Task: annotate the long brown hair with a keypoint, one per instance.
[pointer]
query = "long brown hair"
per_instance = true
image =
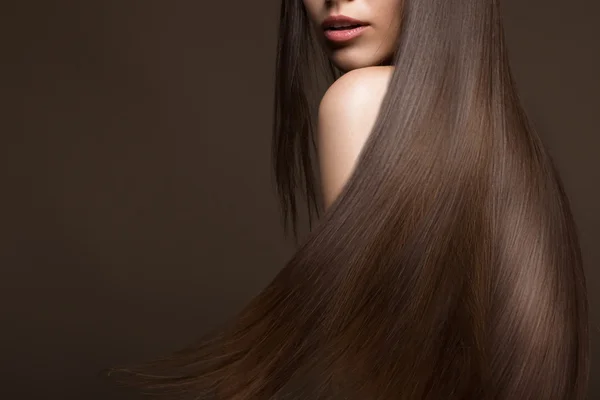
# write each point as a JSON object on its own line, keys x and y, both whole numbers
{"x": 449, "y": 266}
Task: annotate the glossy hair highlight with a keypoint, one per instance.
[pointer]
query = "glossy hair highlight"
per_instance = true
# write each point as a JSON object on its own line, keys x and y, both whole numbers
{"x": 449, "y": 266}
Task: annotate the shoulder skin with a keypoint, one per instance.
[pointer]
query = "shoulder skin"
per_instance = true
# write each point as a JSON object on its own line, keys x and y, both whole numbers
{"x": 347, "y": 113}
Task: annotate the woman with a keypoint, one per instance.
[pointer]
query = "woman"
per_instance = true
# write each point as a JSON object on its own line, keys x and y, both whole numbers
{"x": 446, "y": 264}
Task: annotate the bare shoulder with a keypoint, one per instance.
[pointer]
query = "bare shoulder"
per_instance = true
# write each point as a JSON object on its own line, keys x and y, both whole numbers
{"x": 357, "y": 88}
{"x": 347, "y": 113}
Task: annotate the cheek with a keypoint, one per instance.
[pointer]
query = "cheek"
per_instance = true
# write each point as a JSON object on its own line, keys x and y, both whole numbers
{"x": 389, "y": 15}
{"x": 311, "y": 9}
{"x": 389, "y": 25}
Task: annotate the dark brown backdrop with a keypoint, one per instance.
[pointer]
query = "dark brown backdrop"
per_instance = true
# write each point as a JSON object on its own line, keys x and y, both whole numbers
{"x": 137, "y": 206}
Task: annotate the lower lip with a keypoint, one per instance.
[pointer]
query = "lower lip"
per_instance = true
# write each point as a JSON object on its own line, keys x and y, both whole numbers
{"x": 343, "y": 35}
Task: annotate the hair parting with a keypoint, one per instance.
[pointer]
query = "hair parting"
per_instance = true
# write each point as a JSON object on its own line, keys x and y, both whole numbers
{"x": 449, "y": 266}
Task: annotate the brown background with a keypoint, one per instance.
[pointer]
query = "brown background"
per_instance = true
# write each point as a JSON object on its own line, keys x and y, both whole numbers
{"x": 137, "y": 207}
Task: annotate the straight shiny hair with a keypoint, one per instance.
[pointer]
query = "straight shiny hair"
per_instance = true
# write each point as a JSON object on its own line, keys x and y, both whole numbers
{"x": 448, "y": 267}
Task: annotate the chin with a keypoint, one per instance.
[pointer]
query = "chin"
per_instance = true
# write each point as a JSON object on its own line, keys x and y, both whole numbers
{"x": 349, "y": 59}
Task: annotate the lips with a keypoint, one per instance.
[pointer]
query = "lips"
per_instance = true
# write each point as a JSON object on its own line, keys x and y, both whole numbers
{"x": 341, "y": 22}
{"x": 341, "y": 29}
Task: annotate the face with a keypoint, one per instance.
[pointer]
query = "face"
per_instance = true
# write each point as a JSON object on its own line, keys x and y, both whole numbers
{"x": 356, "y": 33}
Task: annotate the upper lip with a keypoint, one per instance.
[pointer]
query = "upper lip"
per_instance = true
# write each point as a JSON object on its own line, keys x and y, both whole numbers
{"x": 340, "y": 20}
